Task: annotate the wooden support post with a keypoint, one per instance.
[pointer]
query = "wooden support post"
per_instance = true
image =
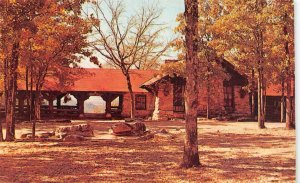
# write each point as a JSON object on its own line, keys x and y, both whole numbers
{"x": 21, "y": 104}
{"x": 51, "y": 104}
{"x": 81, "y": 97}
{"x": 108, "y": 98}
{"x": 58, "y": 102}
{"x": 80, "y": 104}
{"x": 121, "y": 97}
{"x": 50, "y": 97}
{"x": 108, "y": 109}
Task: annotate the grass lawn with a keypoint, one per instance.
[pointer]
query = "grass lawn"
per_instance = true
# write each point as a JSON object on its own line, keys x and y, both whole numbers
{"x": 229, "y": 152}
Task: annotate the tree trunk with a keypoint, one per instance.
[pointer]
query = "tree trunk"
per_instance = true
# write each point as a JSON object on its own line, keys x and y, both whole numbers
{"x": 37, "y": 109}
{"x": 289, "y": 124}
{"x": 282, "y": 101}
{"x": 14, "y": 103}
{"x": 31, "y": 96}
{"x": 132, "y": 111}
{"x": 252, "y": 95}
{"x": 1, "y": 133}
{"x": 293, "y": 109}
{"x": 261, "y": 115}
{"x": 208, "y": 100}
{"x": 265, "y": 98}
{"x": 191, "y": 154}
{"x": 260, "y": 54}
{"x": 5, "y": 96}
{"x": 27, "y": 92}
{"x": 37, "y": 105}
{"x": 288, "y": 110}
{"x": 11, "y": 90}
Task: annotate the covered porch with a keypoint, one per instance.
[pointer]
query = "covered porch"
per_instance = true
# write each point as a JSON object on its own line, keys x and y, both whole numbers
{"x": 53, "y": 104}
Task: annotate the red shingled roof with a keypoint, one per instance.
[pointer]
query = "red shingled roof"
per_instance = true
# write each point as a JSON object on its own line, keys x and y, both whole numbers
{"x": 102, "y": 80}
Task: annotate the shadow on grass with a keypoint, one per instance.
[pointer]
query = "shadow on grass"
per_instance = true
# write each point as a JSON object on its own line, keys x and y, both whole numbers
{"x": 147, "y": 161}
{"x": 233, "y": 140}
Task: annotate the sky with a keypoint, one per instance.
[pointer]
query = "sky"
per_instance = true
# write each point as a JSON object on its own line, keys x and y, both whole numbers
{"x": 170, "y": 10}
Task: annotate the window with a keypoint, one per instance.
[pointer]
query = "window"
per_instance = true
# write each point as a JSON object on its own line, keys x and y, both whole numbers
{"x": 178, "y": 99}
{"x": 228, "y": 98}
{"x": 140, "y": 102}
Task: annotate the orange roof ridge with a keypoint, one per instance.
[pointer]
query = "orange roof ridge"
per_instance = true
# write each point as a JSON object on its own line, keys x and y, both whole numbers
{"x": 100, "y": 80}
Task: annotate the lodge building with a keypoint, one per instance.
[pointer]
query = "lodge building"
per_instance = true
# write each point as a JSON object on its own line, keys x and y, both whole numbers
{"x": 156, "y": 97}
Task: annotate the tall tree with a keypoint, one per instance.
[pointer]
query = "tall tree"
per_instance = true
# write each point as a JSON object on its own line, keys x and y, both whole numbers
{"x": 190, "y": 154}
{"x": 15, "y": 17}
{"x": 46, "y": 36}
{"x": 59, "y": 43}
{"x": 240, "y": 34}
{"x": 127, "y": 41}
{"x": 209, "y": 11}
{"x": 283, "y": 48}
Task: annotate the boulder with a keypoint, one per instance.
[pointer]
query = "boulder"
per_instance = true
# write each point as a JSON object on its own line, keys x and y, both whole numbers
{"x": 45, "y": 135}
{"x": 61, "y": 135}
{"x": 139, "y": 128}
{"x": 84, "y": 130}
{"x": 87, "y": 133}
{"x": 122, "y": 129}
{"x": 26, "y": 135}
{"x": 73, "y": 138}
{"x": 126, "y": 129}
{"x": 157, "y": 136}
{"x": 62, "y": 129}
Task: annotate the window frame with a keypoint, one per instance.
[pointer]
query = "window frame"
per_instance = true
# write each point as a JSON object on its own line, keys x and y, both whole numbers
{"x": 138, "y": 102}
{"x": 178, "y": 87}
{"x": 229, "y": 104}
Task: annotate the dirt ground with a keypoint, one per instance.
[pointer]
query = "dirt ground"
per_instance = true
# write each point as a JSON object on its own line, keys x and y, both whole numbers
{"x": 229, "y": 152}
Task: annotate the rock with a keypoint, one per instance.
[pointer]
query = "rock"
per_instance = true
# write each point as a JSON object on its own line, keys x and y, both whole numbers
{"x": 139, "y": 128}
{"x": 61, "y": 135}
{"x": 86, "y": 127}
{"x": 26, "y": 135}
{"x": 87, "y": 133}
{"x": 126, "y": 129}
{"x": 162, "y": 136}
{"x": 73, "y": 138}
{"x": 122, "y": 129}
{"x": 163, "y": 131}
{"x": 129, "y": 120}
{"x": 75, "y": 128}
{"x": 157, "y": 136}
{"x": 45, "y": 135}
{"x": 84, "y": 130}
{"x": 147, "y": 136}
{"x": 62, "y": 129}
